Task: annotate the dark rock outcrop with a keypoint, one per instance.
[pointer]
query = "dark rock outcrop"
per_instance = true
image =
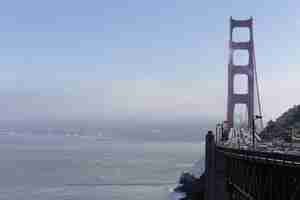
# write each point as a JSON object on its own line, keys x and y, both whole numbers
{"x": 191, "y": 186}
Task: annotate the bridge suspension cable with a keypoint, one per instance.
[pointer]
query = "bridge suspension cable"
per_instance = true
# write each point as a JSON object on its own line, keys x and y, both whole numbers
{"x": 257, "y": 91}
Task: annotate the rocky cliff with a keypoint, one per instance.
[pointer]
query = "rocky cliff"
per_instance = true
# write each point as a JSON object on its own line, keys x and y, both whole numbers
{"x": 281, "y": 126}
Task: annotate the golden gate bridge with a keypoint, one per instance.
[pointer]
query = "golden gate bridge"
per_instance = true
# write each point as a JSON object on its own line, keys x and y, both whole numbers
{"x": 238, "y": 165}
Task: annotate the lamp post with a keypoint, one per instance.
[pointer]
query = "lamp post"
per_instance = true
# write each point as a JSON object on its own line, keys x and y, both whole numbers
{"x": 226, "y": 131}
{"x": 255, "y": 117}
{"x": 222, "y": 129}
{"x": 218, "y": 130}
{"x": 217, "y": 133}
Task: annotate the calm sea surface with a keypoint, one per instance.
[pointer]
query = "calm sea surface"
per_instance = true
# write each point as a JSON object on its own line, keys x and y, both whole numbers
{"x": 90, "y": 168}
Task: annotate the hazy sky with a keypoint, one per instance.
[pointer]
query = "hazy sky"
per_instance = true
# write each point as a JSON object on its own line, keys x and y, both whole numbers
{"x": 136, "y": 59}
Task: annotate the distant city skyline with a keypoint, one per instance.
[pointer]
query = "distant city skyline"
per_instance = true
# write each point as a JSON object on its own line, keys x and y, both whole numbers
{"x": 151, "y": 60}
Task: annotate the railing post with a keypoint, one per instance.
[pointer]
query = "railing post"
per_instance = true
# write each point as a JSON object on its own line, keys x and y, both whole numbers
{"x": 210, "y": 167}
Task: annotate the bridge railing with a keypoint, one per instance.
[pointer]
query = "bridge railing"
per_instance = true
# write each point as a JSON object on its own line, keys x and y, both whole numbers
{"x": 258, "y": 175}
{"x": 262, "y": 156}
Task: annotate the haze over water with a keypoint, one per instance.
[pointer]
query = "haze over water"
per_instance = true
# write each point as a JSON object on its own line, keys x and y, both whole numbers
{"x": 135, "y": 60}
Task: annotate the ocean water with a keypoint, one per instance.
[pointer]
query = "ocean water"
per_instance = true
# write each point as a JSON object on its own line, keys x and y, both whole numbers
{"x": 90, "y": 168}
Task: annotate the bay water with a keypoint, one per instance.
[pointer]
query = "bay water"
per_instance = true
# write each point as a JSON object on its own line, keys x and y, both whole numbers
{"x": 62, "y": 167}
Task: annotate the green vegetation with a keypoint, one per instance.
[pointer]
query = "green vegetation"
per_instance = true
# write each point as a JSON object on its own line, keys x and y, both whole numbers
{"x": 281, "y": 126}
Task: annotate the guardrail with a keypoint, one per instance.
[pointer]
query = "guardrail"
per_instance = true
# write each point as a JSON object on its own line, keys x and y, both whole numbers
{"x": 280, "y": 158}
{"x": 259, "y": 175}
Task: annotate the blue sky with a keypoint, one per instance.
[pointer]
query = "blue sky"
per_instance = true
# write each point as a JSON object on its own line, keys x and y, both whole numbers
{"x": 123, "y": 59}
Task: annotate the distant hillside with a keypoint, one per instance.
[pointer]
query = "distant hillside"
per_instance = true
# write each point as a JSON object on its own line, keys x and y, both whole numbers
{"x": 280, "y": 127}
